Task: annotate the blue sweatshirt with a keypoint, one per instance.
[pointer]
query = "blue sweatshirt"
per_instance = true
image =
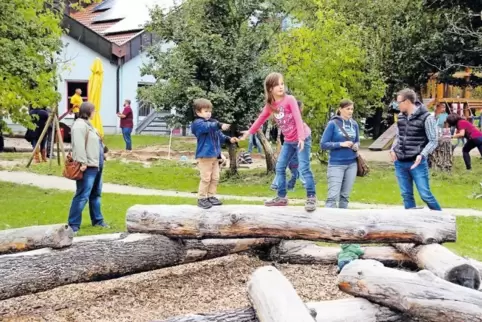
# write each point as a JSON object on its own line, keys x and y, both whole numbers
{"x": 209, "y": 138}
{"x": 333, "y": 137}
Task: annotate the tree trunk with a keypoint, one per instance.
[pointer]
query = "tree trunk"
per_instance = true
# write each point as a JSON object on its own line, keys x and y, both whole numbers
{"x": 443, "y": 263}
{"x": 355, "y": 309}
{"x": 233, "y": 159}
{"x": 101, "y": 257}
{"x": 442, "y": 158}
{"x": 268, "y": 152}
{"x": 306, "y": 252}
{"x": 274, "y": 299}
{"x": 342, "y": 225}
{"x": 422, "y": 295}
{"x": 34, "y": 237}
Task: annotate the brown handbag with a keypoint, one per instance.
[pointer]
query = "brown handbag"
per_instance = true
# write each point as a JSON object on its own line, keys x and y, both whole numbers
{"x": 71, "y": 167}
{"x": 362, "y": 166}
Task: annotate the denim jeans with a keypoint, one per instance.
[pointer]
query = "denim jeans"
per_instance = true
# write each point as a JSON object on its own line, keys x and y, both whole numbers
{"x": 288, "y": 150}
{"x": 340, "y": 183}
{"x": 88, "y": 189}
{"x": 254, "y": 141}
{"x": 469, "y": 146}
{"x": 295, "y": 174}
{"x": 406, "y": 177}
{"x": 126, "y": 132}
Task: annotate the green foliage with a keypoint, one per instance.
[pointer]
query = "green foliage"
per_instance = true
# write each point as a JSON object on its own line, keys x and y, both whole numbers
{"x": 218, "y": 45}
{"x": 324, "y": 61}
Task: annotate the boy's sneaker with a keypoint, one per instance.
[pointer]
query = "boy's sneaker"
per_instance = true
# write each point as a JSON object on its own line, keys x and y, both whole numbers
{"x": 215, "y": 201}
{"x": 204, "y": 203}
{"x": 310, "y": 204}
{"x": 276, "y": 202}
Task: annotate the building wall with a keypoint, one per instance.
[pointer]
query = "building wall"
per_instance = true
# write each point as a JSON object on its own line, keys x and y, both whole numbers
{"x": 79, "y": 60}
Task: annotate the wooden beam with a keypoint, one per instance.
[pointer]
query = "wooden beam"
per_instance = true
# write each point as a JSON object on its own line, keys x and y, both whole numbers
{"x": 307, "y": 252}
{"x": 342, "y": 225}
{"x": 421, "y": 295}
{"x": 443, "y": 263}
{"x": 274, "y": 299}
{"x": 34, "y": 237}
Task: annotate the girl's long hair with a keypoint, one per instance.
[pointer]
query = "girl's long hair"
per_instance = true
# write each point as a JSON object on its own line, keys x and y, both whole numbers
{"x": 270, "y": 82}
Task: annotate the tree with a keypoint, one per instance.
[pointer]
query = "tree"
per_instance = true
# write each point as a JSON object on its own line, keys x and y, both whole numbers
{"x": 324, "y": 62}
{"x": 30, "y": 34}
{"x": 216, "y": 53}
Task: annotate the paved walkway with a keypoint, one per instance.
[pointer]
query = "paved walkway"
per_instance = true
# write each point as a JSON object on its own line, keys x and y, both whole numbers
{"x": 60, "y": 183}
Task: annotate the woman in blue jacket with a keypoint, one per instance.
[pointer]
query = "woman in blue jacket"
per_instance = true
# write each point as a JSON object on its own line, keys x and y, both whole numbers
{"x": 342, "y": 139}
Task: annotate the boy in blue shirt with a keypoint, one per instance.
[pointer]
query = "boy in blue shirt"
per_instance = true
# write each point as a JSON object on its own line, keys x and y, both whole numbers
{"x": 208, "y": 151}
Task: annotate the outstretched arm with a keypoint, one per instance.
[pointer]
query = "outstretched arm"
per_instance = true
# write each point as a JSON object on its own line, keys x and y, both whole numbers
{"x": 326, "y": 142}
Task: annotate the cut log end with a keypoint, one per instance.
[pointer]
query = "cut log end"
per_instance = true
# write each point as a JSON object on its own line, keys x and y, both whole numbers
{"x": 464, "y": 275}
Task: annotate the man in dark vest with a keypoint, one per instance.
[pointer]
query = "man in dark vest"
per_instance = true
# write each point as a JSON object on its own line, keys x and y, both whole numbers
{"x": 416, "y": 138}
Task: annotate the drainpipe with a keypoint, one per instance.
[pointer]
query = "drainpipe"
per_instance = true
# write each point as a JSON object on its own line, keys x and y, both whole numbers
{"x": 118, "y": 85}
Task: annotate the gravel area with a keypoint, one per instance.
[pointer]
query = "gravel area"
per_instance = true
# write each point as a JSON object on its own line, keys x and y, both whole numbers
{"x": 202, "y": 287}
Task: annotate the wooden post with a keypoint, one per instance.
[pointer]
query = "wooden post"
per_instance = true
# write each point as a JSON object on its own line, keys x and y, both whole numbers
{"x": 421, "y": 295}
{"x": 52, "y": 141}
{"x": 274, "y": 299}
{"x": 268, "y": 151}
{"x": 61, "y": 140}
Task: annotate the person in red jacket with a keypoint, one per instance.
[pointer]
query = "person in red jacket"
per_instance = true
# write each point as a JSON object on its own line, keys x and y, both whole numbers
{"x": 466, "y": 130}
{"x": 127, "y": 123}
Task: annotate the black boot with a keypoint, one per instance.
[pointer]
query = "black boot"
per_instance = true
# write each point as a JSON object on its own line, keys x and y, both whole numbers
{"x": 215, "y": 201}
{"x": 204, "y": 203}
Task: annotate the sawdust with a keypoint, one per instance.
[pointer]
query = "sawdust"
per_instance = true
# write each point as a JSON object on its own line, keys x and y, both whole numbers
{"x": 202, "y": 287}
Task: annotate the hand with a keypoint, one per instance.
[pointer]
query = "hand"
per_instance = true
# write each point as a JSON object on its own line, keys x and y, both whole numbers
{"x": 393, "y": 156}
{"x": 83, "y": 167}
{"x": 301, "y": 145}
{"x": 225, "y": 127}
{"x": 234, "y": 140}
{"x": 346, "y": 144}
{"x": 244, "y": 137}
{"x": 417, "y": 162}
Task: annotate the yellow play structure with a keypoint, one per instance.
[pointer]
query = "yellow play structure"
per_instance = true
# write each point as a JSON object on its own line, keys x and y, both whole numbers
{"x": 436, "y": 92}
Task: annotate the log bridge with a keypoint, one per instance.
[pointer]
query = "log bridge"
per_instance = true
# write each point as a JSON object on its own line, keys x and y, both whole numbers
{"x": 39, "y": 258}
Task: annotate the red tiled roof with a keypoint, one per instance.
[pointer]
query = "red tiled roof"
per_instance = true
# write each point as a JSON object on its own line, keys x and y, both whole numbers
{"x": 86, "y": 17}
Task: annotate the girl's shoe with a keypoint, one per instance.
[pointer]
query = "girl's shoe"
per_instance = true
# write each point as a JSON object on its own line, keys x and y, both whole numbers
{"x": 310, "y": 204}
{"x": 276, "y": 202}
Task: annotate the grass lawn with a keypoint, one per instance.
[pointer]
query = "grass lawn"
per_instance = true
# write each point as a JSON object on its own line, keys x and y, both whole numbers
{"x": 42, "y": 207}
{"x": 116, "y": 142}
{"x": 452, "y": 190}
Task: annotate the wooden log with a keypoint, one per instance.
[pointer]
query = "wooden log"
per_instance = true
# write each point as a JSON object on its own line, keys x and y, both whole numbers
{"x": 274, "y": 299}
{"x": 442, "y": 158}
{"x": 93, "y": 258}
{"x": 343, "y": 225}
{"x": 354, "y": 309}
{"x": 307, "y": 252}
{"x": 421, "y": 295}
{"x": 34, "y": 237}
{"x": 443, "y": 263}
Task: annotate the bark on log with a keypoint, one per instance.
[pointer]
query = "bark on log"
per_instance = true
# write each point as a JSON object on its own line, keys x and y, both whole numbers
{"x": 34, "y": 237}
{"x": 93, "y": 258}
{"x": 343, "y": 225}
{"x": 274, "y": 299}
{"x": 443, "y": 263}
{"x": 422, "y": 295}
{"x": 355, "y": 309}
{"x": 268, "y": 152}
{"x": 306, "y": 252}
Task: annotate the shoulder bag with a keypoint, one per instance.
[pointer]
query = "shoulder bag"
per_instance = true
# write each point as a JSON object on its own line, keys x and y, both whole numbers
{"x": 362, "y": 166}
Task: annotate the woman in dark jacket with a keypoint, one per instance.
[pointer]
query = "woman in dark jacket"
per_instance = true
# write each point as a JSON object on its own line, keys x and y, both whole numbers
{"x": 39, "y": 119}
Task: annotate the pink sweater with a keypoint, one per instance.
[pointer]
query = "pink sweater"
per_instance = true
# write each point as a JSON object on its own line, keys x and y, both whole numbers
{"x": 288, "y": 119}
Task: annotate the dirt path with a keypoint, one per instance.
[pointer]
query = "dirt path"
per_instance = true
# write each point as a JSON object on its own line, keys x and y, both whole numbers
{"x": 208, "y": 286}
{"x": 60, "y": 183}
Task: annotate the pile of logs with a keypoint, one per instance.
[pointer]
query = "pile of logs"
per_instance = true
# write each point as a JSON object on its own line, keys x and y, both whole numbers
{"x": 446, "y": 288}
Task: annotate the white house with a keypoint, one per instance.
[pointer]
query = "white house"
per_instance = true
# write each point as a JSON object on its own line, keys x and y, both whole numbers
{"x": 112, "y": 30}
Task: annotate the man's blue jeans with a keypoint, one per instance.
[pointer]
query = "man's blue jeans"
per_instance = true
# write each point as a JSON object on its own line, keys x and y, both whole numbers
{"x": 89, "y": 189}
{"x": 406, "y": 177}
{"x": 126, "y": 132}
{"x": 288, "y": 150}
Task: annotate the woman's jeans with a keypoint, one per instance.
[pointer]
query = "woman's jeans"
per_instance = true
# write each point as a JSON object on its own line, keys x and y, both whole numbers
{"x": 469, "y": 146}
{"x": 288, "y": 150}
{"x": 89, "y": 189}
{"x": 254, "y": 141}
{"x": 126, "y": 133}
{"x": 295, "y": 174}
{"x": 340, "y": 183}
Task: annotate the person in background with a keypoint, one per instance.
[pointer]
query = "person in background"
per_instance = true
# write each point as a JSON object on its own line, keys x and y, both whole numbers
{"x": 416, "y": 138}
{"x": 127, "y": 124}
{"x": 88, "y": 150}
{"x": 2, "y": 143}
{"x": 208, "y": 151}
{"x": 39, "y": 118}
{"x": 440, "y": 115}
{"x": 76, "y": 100}
{"x": 254, "y": 142}
{"x": 341, "y": 137}
{"x": 466, "y": 130}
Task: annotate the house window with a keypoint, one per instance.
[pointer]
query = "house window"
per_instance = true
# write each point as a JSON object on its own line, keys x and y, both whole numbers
{"x": 71, "y": 87}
